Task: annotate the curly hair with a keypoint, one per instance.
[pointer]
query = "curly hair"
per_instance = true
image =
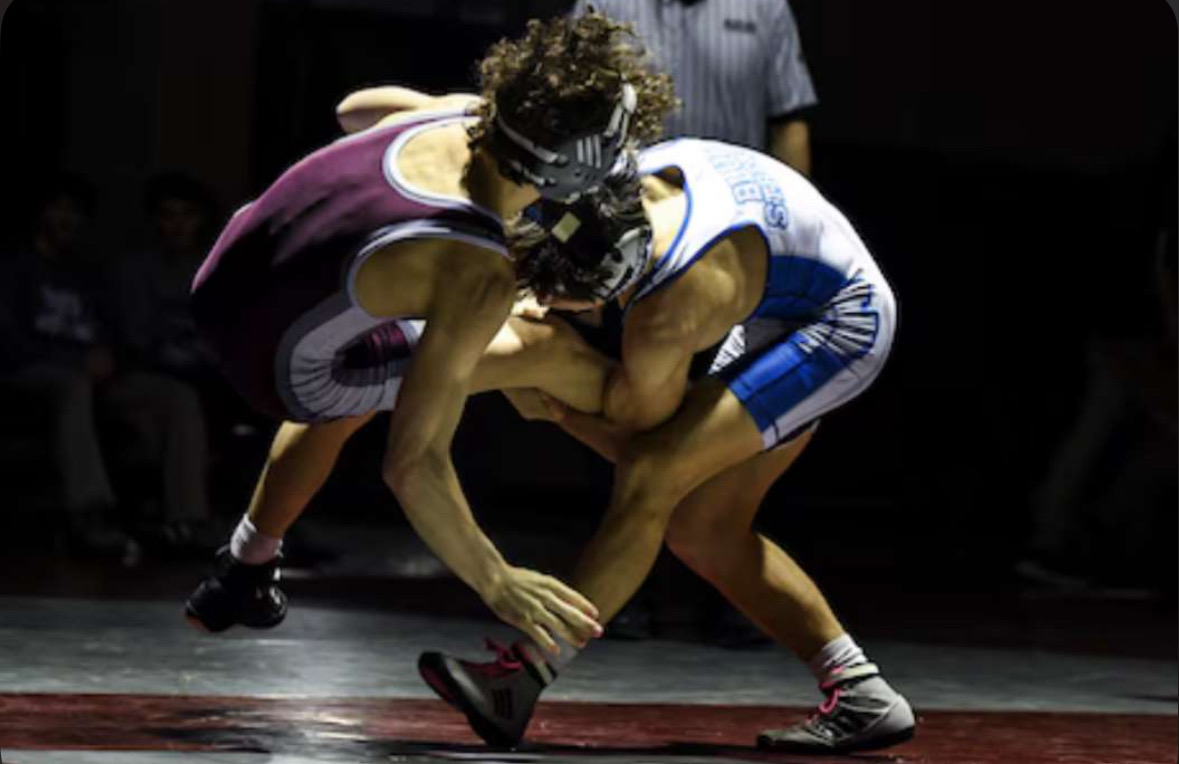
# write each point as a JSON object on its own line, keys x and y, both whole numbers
{"x": 574, "y": 268}
{"x": 564, "y": 76}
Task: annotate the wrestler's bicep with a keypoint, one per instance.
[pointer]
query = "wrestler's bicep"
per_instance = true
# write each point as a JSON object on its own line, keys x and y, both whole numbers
{"x": 649, "y": 385}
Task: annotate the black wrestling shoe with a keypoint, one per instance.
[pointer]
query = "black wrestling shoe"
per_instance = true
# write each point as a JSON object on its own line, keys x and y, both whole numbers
{"x": 237, "y": 593}
{"x": 497, "y": 697}
{"x": 861, "y": 713}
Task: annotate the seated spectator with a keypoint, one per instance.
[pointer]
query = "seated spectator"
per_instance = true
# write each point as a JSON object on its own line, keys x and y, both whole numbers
{"x": 57, "y": 347}
{"x": 1097, "y": 516}
{"x": 155, "y": 326}
{"x": 154, "y": 282}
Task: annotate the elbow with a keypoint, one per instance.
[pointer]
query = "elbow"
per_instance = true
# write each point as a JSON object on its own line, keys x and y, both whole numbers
{"x": 350, "y": 119}
{"x": 356, "y": 112}
{"x": 635, "y": 420}
{"x": 345, "y": 111}
{"x": 404, "y": 470}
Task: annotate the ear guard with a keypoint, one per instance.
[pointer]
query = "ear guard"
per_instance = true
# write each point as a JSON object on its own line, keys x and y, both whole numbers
{"x": 616, "y": 263}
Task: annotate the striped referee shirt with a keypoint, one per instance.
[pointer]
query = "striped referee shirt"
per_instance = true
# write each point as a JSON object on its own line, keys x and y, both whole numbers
{"x": 737, "y": 64}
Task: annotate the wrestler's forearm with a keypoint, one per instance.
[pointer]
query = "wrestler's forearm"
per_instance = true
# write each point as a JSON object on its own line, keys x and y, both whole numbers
{"x": 565, "y": 367}
{"x": 621, "y": 553}
{"x": 433, "y": 501}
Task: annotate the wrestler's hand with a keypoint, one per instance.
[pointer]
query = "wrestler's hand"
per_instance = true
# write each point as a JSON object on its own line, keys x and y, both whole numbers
{"x": 540, "y": 605}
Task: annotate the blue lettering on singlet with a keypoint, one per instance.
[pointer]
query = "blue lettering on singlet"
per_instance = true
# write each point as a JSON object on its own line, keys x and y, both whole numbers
{"x": 750, "y": 184}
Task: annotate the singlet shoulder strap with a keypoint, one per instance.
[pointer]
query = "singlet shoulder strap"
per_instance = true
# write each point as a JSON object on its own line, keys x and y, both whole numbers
{"x": 423, "y": 196}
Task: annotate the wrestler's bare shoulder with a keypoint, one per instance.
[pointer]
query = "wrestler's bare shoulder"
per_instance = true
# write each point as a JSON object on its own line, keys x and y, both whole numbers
{"x": 703, "y": 303}
{"x": 401, "y": 279}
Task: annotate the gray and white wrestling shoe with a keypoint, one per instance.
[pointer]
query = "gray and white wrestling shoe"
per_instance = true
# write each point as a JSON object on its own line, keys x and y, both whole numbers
{"x": 861, "y": 713}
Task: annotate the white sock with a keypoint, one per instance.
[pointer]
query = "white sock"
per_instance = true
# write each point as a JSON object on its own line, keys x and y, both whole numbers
{"x": 568, "y": 653}
{"x": 835, "y": 656}
{"x": 545, "y": 662}
{"x": 252, "y": 547}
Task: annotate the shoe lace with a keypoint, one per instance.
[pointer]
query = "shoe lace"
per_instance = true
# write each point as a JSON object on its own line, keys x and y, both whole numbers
{"x": 820, "y": 719}
{"x": 506, "y": 661}
{"x": 504, "y": 657}
{"x": 828, "y": 706}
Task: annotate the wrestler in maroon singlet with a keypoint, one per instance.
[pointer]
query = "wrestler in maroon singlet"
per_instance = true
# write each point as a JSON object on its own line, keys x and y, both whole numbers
{"x": 275, "y": 298}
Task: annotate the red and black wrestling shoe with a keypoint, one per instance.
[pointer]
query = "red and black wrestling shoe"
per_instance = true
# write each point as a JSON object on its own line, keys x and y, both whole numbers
{"x": 497, "y": 697}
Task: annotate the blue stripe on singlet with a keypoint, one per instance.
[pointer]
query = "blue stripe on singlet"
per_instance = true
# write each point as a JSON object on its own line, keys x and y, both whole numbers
{"x": 798, "y": 287}
{"x": 782, "y": 377}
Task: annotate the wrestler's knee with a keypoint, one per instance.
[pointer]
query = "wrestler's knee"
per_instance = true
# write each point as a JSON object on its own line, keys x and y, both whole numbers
{"x": 651, "y": 479}
{"x": 698, "y": 540}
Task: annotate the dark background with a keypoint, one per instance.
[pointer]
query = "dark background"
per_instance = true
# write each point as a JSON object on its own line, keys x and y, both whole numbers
{"x": 1009, "y": 163}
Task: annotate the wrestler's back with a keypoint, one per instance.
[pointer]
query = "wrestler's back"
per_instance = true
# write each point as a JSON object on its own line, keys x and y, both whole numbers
{"x": 311, "y": 226}
{"x": 341, "y": 244}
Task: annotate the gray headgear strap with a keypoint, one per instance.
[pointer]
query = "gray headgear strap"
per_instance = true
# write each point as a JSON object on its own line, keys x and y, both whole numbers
{"x": 576, "y": 164}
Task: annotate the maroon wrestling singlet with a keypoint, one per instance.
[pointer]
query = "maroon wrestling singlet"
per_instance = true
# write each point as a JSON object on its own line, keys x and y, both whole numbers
{"x": 275, "y": 297}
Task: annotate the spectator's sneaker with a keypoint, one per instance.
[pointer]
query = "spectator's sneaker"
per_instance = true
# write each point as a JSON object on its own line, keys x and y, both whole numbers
{"x": 861, "y": 713}
{"x": 1053, "y": 571}
{"x": 237, "y": 593}
{"x": 92, "y": 535}
{"x": 182, "y": 539}
{"x": 498, "y": 698}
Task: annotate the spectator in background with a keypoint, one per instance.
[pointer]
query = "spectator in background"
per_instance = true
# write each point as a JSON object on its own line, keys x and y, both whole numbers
{"x": 1104, "y": 513}
{"x": 153, "y": 283}
{"x": 163, "y": 356}
{"x": 738, "y": 69}
{"x": 1098, "y": 515}
{"x": 55, "y": 347}
{"x": 58, "y": 345}
{"x": 741, "y": 77}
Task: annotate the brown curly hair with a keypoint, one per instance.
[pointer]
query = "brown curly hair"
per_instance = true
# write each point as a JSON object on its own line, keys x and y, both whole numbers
{"x": 564, "y": 76}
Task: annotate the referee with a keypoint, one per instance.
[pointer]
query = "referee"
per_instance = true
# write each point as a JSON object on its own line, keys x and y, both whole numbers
{"x": 738, "y": 68}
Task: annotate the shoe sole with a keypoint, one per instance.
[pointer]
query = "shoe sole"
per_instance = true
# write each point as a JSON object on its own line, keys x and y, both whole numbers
{"x": 432, "y": 669}
{"x": 201, "y": 625}
{"x": 198, "y": 624}
{"x": 873, "y": 744}
{"x": 194, "y": 619}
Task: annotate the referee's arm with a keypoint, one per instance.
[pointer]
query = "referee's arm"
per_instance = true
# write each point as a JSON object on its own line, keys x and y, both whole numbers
{"x": 790, "y": 142}
{"x": 789, "y": 92}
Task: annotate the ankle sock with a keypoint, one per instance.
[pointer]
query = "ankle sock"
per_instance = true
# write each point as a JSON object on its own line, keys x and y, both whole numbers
{"x": 545, "y": 663}
{"x": 835, "y": 656}
{"x": 252, "y": 547}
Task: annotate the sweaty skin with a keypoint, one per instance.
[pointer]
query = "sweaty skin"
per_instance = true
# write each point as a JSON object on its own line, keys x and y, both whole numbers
{"x": 690, "y": 463}
{"x": 466, "y": 294}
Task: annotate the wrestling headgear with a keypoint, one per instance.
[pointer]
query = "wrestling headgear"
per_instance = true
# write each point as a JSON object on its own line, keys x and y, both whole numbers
{"x": 577, "y": 164}
{"x": 610, "y": 253}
